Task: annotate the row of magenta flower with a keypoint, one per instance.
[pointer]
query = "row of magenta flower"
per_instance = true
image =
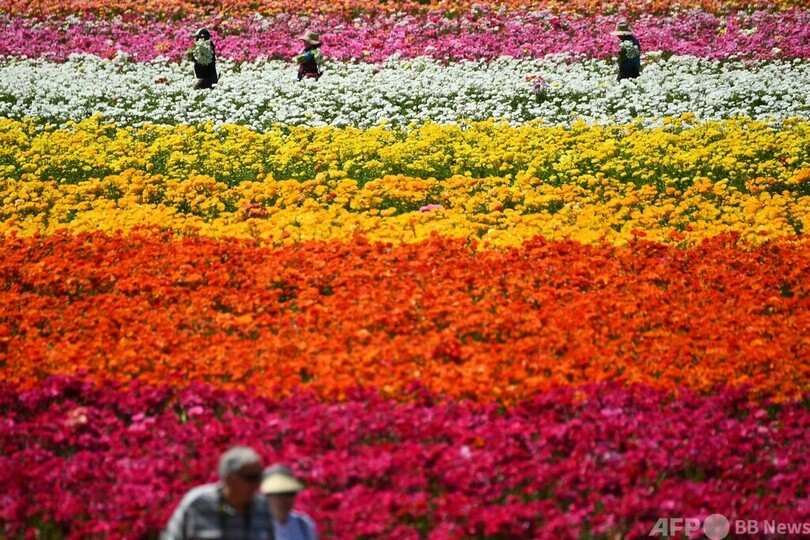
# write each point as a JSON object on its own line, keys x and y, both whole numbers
{"x": 451, "y": 9}
{"x": 601, "y": 459}
{"x": 488, "y": 35}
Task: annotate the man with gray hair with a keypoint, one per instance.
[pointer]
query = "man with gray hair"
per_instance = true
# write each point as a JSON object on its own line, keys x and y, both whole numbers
{"x": 229, "y": 509}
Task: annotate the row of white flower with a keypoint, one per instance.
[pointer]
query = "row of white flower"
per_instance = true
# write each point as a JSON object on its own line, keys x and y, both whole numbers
{"x": 399, "y": 92}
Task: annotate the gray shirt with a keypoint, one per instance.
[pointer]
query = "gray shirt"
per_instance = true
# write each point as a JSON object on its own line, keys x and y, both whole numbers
{"x": 204, "y": 514}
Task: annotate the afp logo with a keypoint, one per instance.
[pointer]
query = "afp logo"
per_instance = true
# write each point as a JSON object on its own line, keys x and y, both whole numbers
{"x": 716, "y": 527}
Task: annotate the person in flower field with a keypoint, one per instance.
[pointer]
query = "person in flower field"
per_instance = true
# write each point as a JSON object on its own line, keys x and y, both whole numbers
{"x": 281, "y": 487}
{"x": 629, "y": 52}
{"x": 204, "y": 56}
{"x": 310, "y": 61}
{"x": 229, "y": 509}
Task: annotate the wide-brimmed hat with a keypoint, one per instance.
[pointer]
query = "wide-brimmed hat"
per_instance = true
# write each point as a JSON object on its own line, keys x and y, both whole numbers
{"x": 622, "y": 29}
{"x": 280, "y": 479}
{"x": 202, "y": 33}
{"x": 311, "y": 37}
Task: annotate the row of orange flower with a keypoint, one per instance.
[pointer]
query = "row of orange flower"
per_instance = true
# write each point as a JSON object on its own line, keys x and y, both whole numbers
{"x": 491, "y": 325}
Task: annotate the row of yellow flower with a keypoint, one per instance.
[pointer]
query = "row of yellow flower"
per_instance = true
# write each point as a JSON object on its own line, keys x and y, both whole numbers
{"x": 585, "y": 183}
{"x": 704, "y": 210}
{"x": 673, "y": 153}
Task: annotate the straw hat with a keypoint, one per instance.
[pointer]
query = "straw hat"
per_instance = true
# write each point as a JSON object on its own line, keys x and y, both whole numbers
{"x": 311, "y": 37}
{"x": 280, "y": 479}
{"x": 622, "y": 29}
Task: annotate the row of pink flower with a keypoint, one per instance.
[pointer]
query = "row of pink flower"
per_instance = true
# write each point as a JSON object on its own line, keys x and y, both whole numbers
{"x": 175, "y": 8}
{"x": 762, "y": 35}
{"x": 84, "y": 459}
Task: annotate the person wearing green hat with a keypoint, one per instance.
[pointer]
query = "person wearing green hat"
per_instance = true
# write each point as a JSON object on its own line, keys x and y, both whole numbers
{"x": 280, "y": 486}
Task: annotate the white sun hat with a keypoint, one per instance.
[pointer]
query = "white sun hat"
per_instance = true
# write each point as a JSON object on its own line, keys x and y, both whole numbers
{"x": 280, "y": 479}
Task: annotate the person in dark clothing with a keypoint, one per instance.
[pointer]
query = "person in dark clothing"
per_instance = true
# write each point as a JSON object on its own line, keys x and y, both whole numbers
{"x": 204, "y": 56}
{"x": 310, "y": 61}
{"x": 629, "y": 52}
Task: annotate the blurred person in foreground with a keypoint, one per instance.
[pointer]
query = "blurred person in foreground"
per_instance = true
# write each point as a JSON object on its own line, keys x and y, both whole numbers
{"x": 230, "y": 509}
{"x": 280, "y": 486}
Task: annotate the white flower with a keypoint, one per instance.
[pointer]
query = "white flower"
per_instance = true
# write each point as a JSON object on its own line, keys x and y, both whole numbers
{"x": 404, "y": 92}
{"x": 203, "y": 52}
{"x": 629, "y": 49}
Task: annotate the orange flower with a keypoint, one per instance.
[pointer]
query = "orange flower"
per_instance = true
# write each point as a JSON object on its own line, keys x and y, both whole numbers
{"x": 483, "y": 325}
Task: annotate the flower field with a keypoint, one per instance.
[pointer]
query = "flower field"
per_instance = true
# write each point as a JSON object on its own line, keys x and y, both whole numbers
{"x": 457, "y": 306}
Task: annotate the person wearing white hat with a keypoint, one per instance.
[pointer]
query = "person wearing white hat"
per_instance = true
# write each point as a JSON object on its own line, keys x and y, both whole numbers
{"x": 629, "y": 52}
{"x": 310, "y": 61}
{"x": 280, "y": 486}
